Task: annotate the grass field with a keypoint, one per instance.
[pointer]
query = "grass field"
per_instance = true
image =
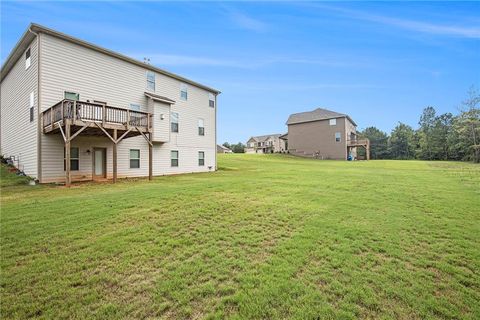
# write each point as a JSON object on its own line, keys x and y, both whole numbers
{"x": 266, "y": 236}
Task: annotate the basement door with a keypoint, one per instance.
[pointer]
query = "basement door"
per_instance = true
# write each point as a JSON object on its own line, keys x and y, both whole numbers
{"x": 99, "y": 163}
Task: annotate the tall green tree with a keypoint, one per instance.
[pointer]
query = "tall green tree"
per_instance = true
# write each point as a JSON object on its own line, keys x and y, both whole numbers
{"x": 424, "y": 134}
{"x": 402, "y": 142}
{"x": 467, "y": 127}
{"x": 378, "y": 142}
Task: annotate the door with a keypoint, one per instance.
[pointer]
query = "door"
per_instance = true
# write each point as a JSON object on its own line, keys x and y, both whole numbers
{"x": 99, "y": 163}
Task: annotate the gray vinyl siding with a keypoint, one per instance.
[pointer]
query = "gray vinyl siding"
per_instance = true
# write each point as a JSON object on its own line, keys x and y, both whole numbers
{"x": 97, "y": 76}
{"x": 18, "y": 136}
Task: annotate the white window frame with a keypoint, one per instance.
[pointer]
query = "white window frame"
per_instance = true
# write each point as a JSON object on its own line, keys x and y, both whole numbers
{"x": 338, "y": 135}
{"x": 211, "y": 100}
{"x": 174, "y": 155}
{"x": 201, "y": 158}
{"x": 28, "y": 58}
{"x": 183, "y": 89}
{"x": 31, "y": 105}
{"x": 77, "y": 95}
{"x": 77, "y": 159}
{"x": 172, "y": 121}
{"x": 333, "y": 122}
{"x": 135, "y": 107}
{"x": 135, "y": 159}
{"x": 150, "y": 84}
{"x": 201, "y": 127}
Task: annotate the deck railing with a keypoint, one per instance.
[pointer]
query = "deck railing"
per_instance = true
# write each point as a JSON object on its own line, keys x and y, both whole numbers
{"x": 96, "y": 112}
{"x": 354, "y": 142}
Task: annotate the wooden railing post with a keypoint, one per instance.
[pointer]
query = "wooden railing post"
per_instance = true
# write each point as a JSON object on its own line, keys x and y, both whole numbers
{"x": 103, "y": 114}
{"x": 115, "y": 155}
{"x": 128, "y": 119}
{"x": 150, "y": 157}
{"x": 74, "y": 116}
{"x": 51, "y": 117}
{"x": 67, "y": 154}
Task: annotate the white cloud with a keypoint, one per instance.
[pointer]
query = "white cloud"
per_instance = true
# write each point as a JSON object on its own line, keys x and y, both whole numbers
{"x": 247, "y": 22}
{"x": 417, "y": 26}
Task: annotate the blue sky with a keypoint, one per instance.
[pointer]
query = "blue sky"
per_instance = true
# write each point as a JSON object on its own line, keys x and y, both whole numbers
{"x": 380, "y": 62}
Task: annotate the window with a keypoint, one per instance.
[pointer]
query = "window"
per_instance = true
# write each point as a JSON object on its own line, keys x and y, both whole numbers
{"x": 134, "y": 158}
{"x": 174, "y": 158}
{"x": 28, "y": 59}
{"x": 201, "y": 127}
{"x": 72, "y": 96}
{"x": 174, "y": 122}
{"x": 32, "y": 104}
{"x": 74, "y": 159}
{"x": 211, "y": 100}
{"x": 201, "y": 158}
{"x": 134, "y": 107}
{"x": 150, "y": 80}
{"x": 183, "y": 92}
{"x": 338, "y": 136}
{"x": 333, "y": 122}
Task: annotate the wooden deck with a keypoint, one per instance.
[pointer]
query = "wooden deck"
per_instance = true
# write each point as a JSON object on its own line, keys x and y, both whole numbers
{"x": 73, "y": 118}
{"x": 90, "y": 115}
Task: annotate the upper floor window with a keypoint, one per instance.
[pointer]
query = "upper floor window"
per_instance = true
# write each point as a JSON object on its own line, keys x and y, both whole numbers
{"x": 333, "y": 122}
{"x": 134, "y": 107}
{"x": 28, "y": 59}
{"x": 183, "y": 92}
{"x": 150, "y": 80}
{"x": 211, "y": 100}
{"x": 174, "y": 122}
{"x": 72, "y": 96}
{"x": 32, "y": 104}
{"x": 201, "y": 127}
{"x": 201, "y": 158}
{"x": 338, "y": 136}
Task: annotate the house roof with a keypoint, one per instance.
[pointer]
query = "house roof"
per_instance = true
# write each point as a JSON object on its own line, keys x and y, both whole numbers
{"x": 315, "y": 115}
{"x": 156, "y": 97}
{"x": 34, "y": 28}
{"x": 265, "y": 137}
{"x": 223, "y": 147}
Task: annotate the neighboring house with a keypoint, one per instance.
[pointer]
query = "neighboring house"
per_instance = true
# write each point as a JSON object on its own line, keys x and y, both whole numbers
{"x": 323, "y": 134}
{"x": 71, "y": 111}
{"x": 223, "y": 149}
{"x": 265, "y": 144}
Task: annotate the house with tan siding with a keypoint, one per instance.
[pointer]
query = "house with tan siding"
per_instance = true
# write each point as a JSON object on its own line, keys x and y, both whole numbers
{"x": 73, "y": 111}
{"x": 323, "y": 134}
{"x": 270, "y": 143}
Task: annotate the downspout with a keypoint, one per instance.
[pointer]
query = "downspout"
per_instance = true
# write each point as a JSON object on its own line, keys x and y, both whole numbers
{"x": 39, "y": 120}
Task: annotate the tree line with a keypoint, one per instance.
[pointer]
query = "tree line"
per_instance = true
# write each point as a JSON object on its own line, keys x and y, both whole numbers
{"x": 438, "y": 137}
{"x": 236, "y": 148}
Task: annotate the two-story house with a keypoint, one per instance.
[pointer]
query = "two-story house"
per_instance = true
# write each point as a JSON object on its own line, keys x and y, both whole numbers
{"x": 323, "y": 134}
{"x": 71, "y": 110}
{"x": 269, "y": 143}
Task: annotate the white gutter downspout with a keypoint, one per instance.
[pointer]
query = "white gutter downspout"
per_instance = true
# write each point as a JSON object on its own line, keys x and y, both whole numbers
{"x": 39, "y": 120}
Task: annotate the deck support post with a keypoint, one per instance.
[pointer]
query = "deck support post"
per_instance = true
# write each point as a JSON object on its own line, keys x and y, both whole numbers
{"x": 367, "y": 150}
{"x": 150, "y": 157}
{"x": 68, "y": 180}
{"x": 115, "y": 155}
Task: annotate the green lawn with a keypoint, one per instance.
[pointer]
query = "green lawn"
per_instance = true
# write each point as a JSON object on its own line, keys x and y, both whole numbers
{"x": 266, "y": 236}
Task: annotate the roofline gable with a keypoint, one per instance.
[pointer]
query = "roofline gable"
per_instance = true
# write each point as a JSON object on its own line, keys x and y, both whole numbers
{"x": 36, "y": 28}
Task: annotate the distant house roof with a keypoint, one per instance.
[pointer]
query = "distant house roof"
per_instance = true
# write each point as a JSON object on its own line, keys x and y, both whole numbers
{"x": 284, "y": 136}
{"x": 265, "y": 137}
{"x": 315, "y": 115}
{"x": 220, "y": 147}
